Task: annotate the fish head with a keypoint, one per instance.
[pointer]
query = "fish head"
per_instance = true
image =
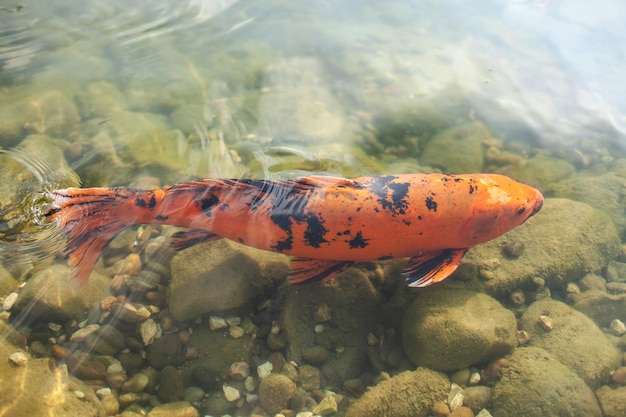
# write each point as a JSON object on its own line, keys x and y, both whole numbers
{"x": 501, "y": 204}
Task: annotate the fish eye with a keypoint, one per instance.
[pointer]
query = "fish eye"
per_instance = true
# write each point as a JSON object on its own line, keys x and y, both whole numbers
{"x": 521, "y": 210}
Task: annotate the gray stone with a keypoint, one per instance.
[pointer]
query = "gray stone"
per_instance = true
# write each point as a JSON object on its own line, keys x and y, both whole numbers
{"x": 50, "y": 293}
{"x": 218, "y": 276}
{"x": 563, "y": 242}
{"x": 536, "y": 384}
{"x": 167, "y": 350}
{"x": 408, "y": 394}
{"x": 453, "y": 329}
{"x": 574, "y": 340}
{"x": 600, "y": 306}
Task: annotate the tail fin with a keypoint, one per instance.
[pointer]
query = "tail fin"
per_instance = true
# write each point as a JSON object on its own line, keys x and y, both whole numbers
{"x": 88, "y": 218}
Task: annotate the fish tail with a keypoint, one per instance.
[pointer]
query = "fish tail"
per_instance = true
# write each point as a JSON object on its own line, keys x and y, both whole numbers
{"x": 89, "y": 218}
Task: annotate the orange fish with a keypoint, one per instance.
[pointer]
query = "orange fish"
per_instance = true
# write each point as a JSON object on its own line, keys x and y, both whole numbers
{"x": 325, "y": 223}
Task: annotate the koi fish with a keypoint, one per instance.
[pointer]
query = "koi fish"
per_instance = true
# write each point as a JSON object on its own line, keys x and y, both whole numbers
{"x": 325, "y": 223}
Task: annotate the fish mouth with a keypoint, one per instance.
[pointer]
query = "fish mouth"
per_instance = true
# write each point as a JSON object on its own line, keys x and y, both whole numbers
{"x": 538, "y": 205}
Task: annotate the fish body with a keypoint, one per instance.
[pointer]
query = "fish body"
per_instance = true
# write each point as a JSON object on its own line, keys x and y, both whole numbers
{"x": 326, "y": 223}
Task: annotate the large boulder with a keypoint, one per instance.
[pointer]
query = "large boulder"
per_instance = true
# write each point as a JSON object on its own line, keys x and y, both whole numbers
{"x": 453, "y": 329}
{"x": 408, "y": 394}
{"x": 52, "y": 293}
{"x": 573, "y": 339}
{"x": 467, "y": 142}
{"x": 535, "y": 384}
{"x": 220, "y": 275}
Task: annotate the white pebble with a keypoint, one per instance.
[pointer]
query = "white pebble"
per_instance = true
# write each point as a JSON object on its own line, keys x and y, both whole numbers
{"x": 249, "y": 384}
{"x": 236, "y": 332}
{"x": 216, "y": 322}
{"x": 18, "y": 358}
{"x": 54, "y": 327}
{"x": 304, "y": 414}
{"x": 114, "y": 368}
{"x": 484, "y": 413}
{"x": 81, "y": 334}
{"x": 319, "y": 328}
{"x": 474, "y": 378}
{"x": 617, "y": 327}
{"x": 233, "y": 320}
{"x": 149, "y": 331}
{"x": 79, "y": 394}
{"x": 9, "y": 301}
{"x": 231, "y": 393}
{"x": 252, "y": 398}
{"x": 455, "y": 398}
{"x": 103, "y": 392}
{"x": 264, "y": 369}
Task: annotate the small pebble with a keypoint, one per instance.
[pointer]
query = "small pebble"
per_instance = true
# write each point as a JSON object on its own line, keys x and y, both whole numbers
{"x": 59, "y": 351}
{"x": 9, "y": 301}
{"x": 249, "y": 384}
{"x": 517, "y": 297}
{"x": 252, "y": 398}
{"x": 319, "y": 328}
{"x": 327, "y": 406}
{"x": 264, "y": 369}
{"x": 522, "y": 337}
{"x": 79, "y": 394}
{"x": 233, "y": 320}
{"x": 455, "y": 398}
{"x": 315, "y": 354}
{"x": 572, "y": 288}
{"x": 474, "y": 378}
{"x": 617, "y": 327}
{"x": 236, "y": 332}
{"x": 462, "y": 412}
{"x": 322, "y": 313}
{"x": 514, "y": 249}
{"x": 238, "y": 371}
{"x": 619, "y": 376}
{"x": 216, "y": 322}
{"x": 55, "y": 328}
{"x": 440, "y": 409}
{"x": 149, "y": 331}
{"x": 484, "y": 413}
{"x": 231, "y": 393}
{"x": 546, "y": 322}
{"x": 18, "y": 358}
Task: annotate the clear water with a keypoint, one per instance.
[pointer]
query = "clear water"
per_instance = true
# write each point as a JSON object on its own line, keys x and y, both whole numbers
{"x": 152, "y": 93}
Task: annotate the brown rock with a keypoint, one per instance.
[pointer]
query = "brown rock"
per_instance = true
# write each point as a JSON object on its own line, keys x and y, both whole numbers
{"x": 275, "y": 391}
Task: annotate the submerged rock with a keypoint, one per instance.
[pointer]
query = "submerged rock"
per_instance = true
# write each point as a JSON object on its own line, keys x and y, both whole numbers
{"x": 612, "y": 401}
{"x": 563, "y": 242}
{"x": 467, "y": 142}
{"x": 408, "y": 394}
{"x": 574, "y": 340}
{"x": 49, "y": 293}
{"x": 351, "y": 322}
{"x": 218, "y": 276}
{"x": 453, "y": 329}
{"x": 275, "y": 391}
{"x": 535, "y": 384}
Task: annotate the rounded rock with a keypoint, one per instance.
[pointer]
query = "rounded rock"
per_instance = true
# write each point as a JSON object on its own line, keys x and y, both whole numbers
{"x": 448, "y": 330}
{"x": 275, "y": 391}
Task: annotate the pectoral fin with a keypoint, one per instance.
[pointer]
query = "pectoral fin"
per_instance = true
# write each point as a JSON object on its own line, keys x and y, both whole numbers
{"x": 432, "y": 267}
{"x": 185, "y": 239}
{"x": 311, "y": 270}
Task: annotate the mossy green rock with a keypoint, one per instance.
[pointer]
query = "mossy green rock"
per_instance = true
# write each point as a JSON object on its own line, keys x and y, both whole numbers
{"x": 600, "y": 306}
{"x": 603, "y": 192}
{"x": 408, "y": 394}
{"x": 542, "y": 171}
{"x": 535, "y": 384}
{"x": 562, "y": 242}
{"x": 458, "y": 149}
{"x": 453, "y": 329}
{"x": 575, "y": 341}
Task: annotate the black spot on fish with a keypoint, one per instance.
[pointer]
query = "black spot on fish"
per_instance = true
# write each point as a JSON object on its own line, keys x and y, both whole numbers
{"x": 431, "y": 204}
{"x": 392, "y": 196}
{"x": 284, "y": 222}
{"x": 140, "y": 202}
{"x": 357, "y": 241}
{"x": 472, "y": 189}
{"x": 385, "y": 257}
{"x": 405, "y": 221}
{"x": 206, "y": 204}
{"x": 315, "y": 231}
{"x": 419, "y": 217}
{"x": 160, "y": 218}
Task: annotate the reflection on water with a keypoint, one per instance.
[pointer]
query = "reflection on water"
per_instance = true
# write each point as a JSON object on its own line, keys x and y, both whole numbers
{"x": 152, "y": 93}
